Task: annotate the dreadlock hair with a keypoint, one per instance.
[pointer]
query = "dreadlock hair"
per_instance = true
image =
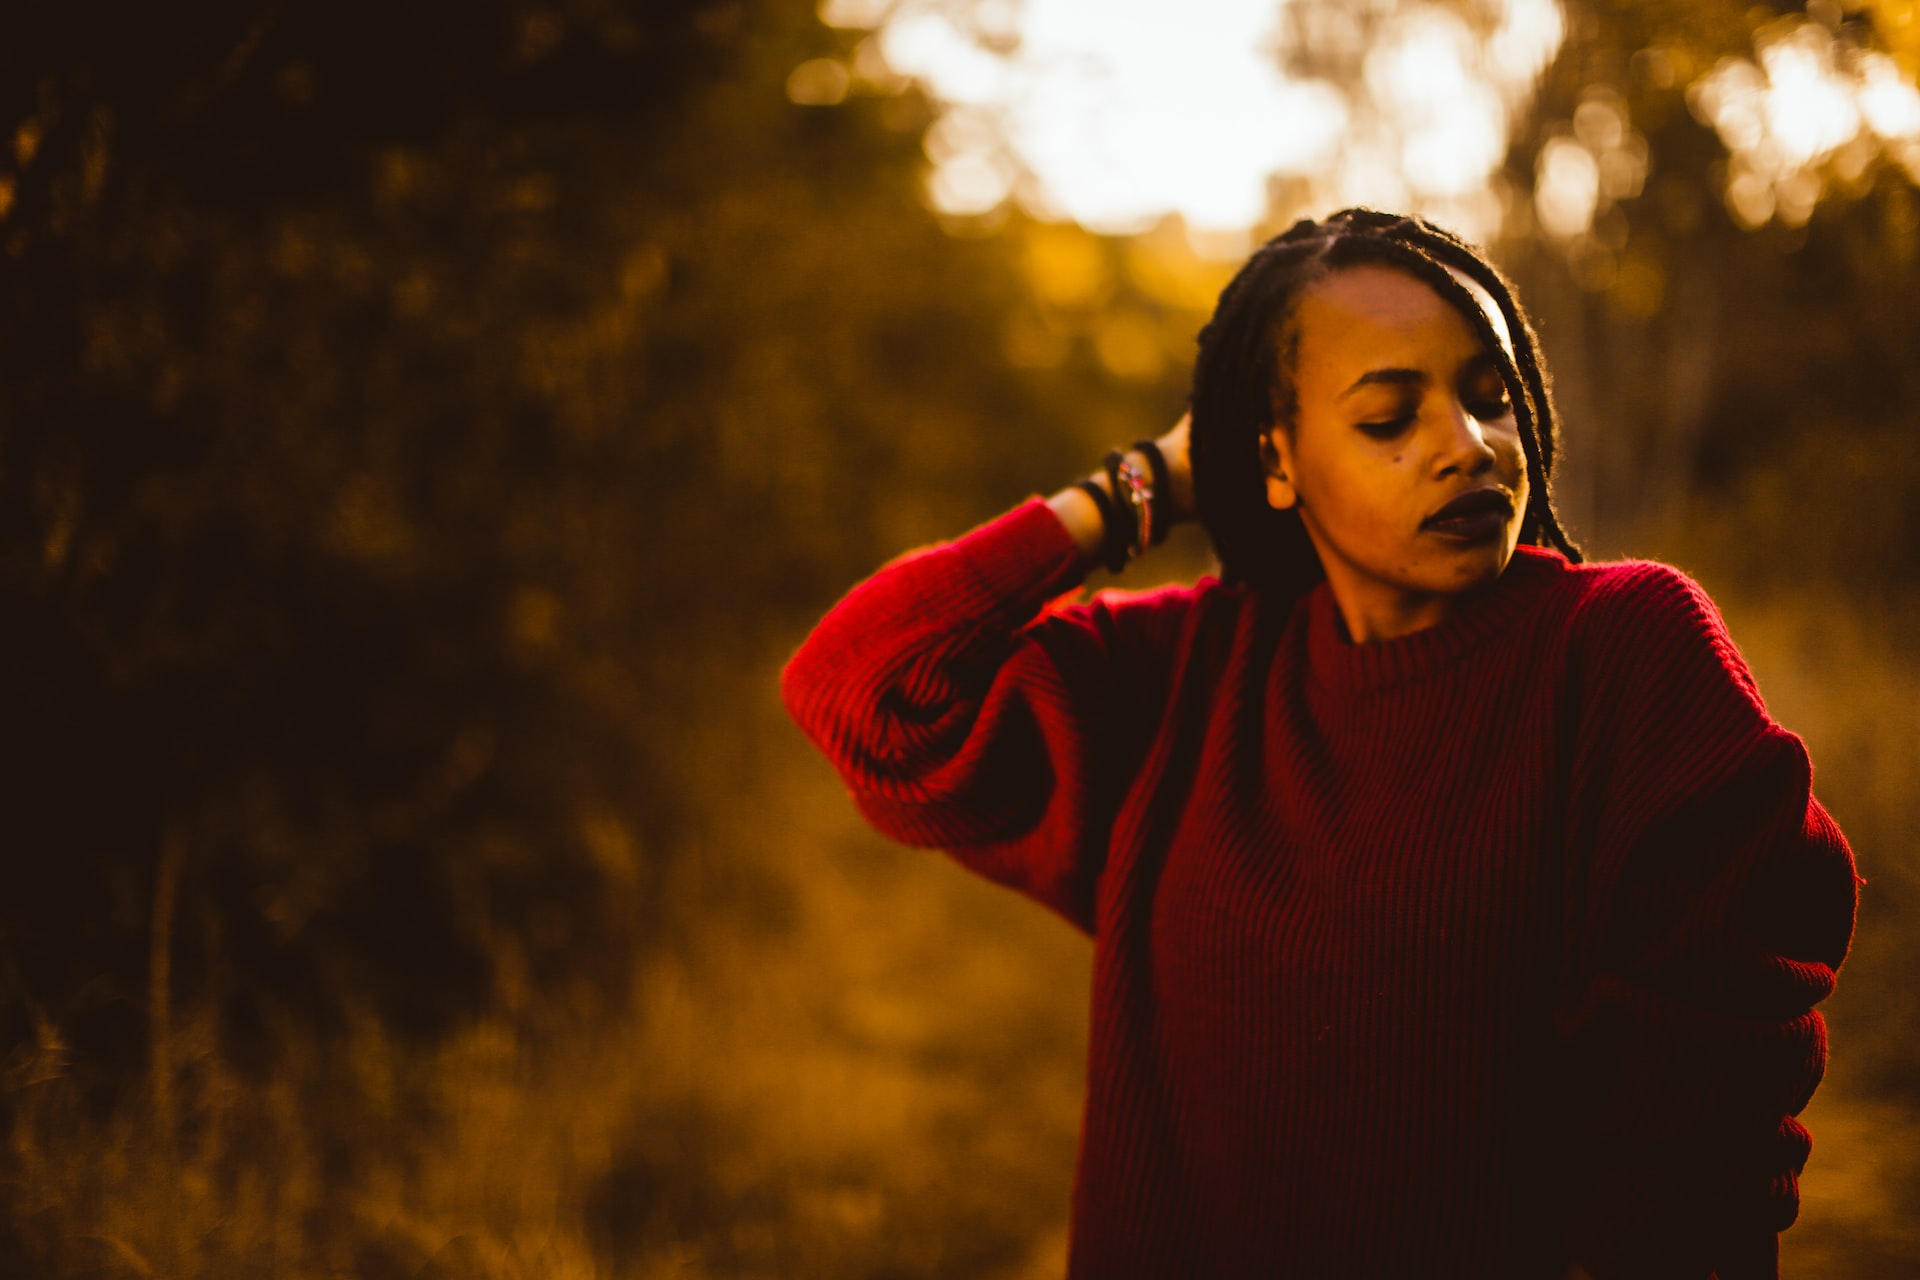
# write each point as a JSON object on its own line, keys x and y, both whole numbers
{"x": 1243, "y": 384}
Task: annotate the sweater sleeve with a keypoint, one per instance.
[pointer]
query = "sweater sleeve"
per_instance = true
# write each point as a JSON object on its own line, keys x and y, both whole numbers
{"x": 1711, "y": 899}
{"x": 966, "y": 712}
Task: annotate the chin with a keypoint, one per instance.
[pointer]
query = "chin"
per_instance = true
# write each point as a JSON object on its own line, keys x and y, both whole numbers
{"x": 1479, "y": 568}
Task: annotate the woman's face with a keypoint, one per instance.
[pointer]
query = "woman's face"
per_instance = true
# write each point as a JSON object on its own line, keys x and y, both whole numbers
{"x": 1404, "y": 460}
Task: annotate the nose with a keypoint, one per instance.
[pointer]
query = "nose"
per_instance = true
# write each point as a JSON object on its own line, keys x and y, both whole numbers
{"x": 1463, "y": 448}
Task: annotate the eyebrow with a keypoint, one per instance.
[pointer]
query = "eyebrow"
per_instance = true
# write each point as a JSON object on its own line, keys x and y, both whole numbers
{"x": 1412, "y": 377}
{"x": 1387, "y": 377}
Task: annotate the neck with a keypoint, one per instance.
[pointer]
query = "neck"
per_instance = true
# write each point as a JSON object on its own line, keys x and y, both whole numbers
{"x": 1370, "y": 622}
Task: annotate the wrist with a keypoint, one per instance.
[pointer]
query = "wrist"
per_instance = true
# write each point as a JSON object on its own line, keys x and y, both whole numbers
{"x": 1081, "y": 515}
{"x": 1118, "y": 512}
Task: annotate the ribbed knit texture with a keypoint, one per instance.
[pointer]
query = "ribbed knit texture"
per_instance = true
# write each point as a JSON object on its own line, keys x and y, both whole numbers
{"x": 1451, "y": 956}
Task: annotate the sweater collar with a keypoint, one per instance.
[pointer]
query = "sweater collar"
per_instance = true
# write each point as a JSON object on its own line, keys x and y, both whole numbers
{"x": 1338, "y": 663}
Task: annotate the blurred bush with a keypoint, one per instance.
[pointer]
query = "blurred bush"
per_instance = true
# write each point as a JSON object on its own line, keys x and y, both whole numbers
{"x": 418, "y": 426}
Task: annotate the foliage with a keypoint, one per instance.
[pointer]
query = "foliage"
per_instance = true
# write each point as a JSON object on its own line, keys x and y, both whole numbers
{"x": 1694, "y": 352}
{"x": 414, "y": 422}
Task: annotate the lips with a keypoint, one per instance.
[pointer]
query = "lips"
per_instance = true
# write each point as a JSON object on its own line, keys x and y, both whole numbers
{"x": 1478, "y": 513}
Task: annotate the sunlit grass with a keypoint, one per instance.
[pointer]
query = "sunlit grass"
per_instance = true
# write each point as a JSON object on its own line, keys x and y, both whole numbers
{"x": 874, "y": 1071}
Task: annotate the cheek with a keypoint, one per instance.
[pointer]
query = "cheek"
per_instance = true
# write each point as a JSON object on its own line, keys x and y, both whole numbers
{"x": 1371, "y": 504}
{"x": 1512, "y": 452}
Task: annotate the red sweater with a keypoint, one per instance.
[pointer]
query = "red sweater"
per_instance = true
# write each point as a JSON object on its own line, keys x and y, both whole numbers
{"x": 1456, "y": 955}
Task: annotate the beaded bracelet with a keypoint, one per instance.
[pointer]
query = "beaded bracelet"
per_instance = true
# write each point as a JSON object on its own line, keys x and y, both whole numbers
{"x": 1132, "y": 505}
{"x": 1162, "y": 487}
{"x": 1136, "y": 491}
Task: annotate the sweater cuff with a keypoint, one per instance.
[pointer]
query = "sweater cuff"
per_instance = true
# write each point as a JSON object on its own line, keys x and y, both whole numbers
{"x": 1660, "y": 1219}
{"x": 1022, "y": 559}
{"x": 1640, "y": 1224}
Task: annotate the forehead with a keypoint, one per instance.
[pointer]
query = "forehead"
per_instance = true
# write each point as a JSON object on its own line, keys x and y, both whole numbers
{"x": 1356, "y": 312}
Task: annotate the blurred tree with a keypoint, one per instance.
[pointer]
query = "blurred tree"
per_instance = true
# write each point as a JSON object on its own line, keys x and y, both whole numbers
{"x": 1666, "y": 306}
{"x": 413, "y": 420}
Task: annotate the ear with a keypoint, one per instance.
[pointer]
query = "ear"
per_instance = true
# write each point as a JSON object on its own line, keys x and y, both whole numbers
{"x": 1276, "y": 459}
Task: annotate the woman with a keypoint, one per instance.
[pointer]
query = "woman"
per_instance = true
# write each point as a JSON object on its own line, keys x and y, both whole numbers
{"x": 1457, "y": 908}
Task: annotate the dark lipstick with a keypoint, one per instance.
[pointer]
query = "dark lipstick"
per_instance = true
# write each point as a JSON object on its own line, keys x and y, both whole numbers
{"x": 1473, "y": 516}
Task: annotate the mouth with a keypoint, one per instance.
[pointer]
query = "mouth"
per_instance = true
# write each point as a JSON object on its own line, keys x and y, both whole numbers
{"x": 1473, "y": 516}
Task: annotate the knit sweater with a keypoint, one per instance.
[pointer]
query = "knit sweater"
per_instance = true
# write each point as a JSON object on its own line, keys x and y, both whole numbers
{"x": 1455, "y": 955}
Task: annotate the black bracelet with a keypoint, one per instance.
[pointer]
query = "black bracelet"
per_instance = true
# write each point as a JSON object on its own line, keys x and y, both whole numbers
{"x": 1126, "y": 521}
{"x": 1162, "y": 487}
{"x": 1113, "y": 549}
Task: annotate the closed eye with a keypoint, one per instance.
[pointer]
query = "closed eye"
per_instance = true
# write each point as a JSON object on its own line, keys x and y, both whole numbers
{"x": 1490, "y": 408}
{"x": 1388, "y": 428}
{"x": 1483, "y": 392}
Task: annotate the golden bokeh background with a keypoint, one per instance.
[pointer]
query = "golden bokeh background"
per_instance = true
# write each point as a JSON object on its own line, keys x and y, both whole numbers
{"x": 425, "y": 429}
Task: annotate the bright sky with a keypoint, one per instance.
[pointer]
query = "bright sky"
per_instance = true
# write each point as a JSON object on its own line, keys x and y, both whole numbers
{"x": 1809, "y": 108}
{"x": 1117, "y": 112}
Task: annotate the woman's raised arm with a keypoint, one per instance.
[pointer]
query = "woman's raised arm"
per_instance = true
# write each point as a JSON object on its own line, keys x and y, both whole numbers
{"x": 966, "y": 710}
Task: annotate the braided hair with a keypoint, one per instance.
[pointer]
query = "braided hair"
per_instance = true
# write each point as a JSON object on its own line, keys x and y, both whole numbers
{"x": 1243, "y": 384}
